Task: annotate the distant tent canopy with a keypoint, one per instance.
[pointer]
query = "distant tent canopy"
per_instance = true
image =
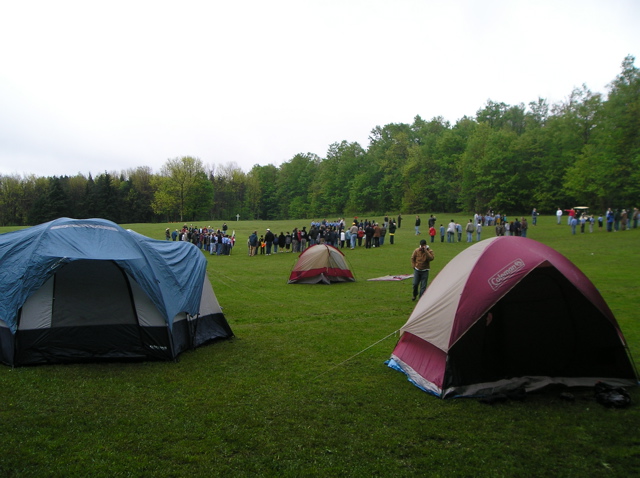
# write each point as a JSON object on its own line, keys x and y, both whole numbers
{"x": 507, "y": 313}
{"x": 321, "y": 263}
{"x": 78, "y": 290}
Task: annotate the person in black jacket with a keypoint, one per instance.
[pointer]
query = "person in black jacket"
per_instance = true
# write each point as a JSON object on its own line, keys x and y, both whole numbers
{"x": 268, "y": 239}
{"x": 368, "y": 236}
{"x": 392, "y": 231}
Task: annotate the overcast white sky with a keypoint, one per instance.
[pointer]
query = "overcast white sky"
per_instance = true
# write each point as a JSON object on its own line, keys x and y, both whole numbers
{"x": 94, "y": 86}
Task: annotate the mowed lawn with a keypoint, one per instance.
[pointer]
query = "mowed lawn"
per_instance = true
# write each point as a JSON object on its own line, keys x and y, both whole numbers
{"x": 302, "y": 390}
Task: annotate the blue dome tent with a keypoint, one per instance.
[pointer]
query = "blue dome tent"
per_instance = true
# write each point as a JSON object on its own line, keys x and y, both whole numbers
{"x": 83, "y": 290}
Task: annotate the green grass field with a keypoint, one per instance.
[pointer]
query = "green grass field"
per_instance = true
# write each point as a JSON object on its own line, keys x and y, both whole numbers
{"x": 302, "y": 390}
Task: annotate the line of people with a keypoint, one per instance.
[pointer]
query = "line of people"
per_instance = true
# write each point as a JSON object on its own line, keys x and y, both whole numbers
{"x": 270, "y": 243}
{"x": 453, "y": 230}
{"x": 216, "y": 242}
{"x": 335, "y": 233}
{"x": 613, "y": 219}
{"x": 619, "y": 220}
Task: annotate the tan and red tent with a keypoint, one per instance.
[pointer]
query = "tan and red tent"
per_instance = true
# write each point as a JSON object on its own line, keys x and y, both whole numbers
{"x": 509, "y": 313}
{"x": 321, "y": 263}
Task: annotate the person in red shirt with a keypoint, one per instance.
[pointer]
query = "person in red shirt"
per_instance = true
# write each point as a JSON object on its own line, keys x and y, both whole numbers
{"x": 432, "y": 233}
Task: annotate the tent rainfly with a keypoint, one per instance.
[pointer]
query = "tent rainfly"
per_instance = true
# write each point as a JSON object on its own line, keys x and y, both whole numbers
{"x": 321, "y": 263}
{"x": 85, "y": 290}
{"x": 509, "y": 313}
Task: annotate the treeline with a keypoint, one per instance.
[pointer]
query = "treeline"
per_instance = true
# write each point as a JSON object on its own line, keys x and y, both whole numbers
{"x": 584, "y": 150}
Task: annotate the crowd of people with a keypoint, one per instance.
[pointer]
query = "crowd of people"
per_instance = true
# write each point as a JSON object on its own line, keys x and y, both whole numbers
{"x": 215, "y": 241}
{"x": 361, "y": 233}
{"x": 613, "y": 220}
{"x": 453, "y": 230}
{"x": 372, "y": 234}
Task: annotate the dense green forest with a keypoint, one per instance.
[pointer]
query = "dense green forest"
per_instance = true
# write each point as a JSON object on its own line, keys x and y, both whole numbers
{"x": 511, "y": 158}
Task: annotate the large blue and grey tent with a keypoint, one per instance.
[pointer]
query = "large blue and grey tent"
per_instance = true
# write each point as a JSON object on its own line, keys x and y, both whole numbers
{"x": 83, "y": 290}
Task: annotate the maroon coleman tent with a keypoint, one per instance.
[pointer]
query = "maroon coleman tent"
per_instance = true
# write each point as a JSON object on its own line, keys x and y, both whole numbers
{"x": 506, "y": 313}
{"x": 321, "y": 263}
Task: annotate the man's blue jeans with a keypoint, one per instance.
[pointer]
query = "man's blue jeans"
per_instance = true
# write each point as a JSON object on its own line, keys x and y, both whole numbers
{"x": 420, "y": 278}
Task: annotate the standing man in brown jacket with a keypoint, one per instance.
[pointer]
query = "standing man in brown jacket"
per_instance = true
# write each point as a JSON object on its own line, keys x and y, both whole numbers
{"x": 420, "y": 261}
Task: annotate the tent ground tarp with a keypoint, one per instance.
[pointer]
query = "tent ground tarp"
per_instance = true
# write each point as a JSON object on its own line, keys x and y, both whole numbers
{"x": 392, "y": 278}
